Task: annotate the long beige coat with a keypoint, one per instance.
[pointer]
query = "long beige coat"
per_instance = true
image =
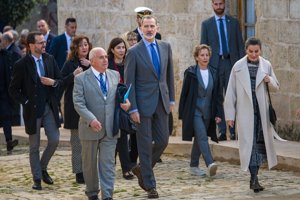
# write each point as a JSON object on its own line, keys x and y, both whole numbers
{"x": 238, "y": 106}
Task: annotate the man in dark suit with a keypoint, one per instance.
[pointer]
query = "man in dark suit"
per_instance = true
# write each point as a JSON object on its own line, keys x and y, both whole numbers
{"x": 60, "y": 45}
{"x": 42, "y": 26}
{"x": 94, "y": 96}
{"x": 149, "y": 69}
{"x": 140, "y": 13}
{"x": 222, "y": 33}
{"x": 34, "y": 82}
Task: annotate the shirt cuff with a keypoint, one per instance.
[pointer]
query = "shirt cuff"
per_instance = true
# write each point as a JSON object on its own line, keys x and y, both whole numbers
{"x": 132, "y": 111}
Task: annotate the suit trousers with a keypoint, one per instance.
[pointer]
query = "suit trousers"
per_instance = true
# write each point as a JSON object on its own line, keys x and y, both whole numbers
{"x": 224, "y": 74}
{"x": 76, "y": 151}
{"x": 99, "y": 154}
{"x": 52, "y": 133}
{"x": 123, "y": 150}
{"x": 200, "y": 144}
{"x": 152, "y": 139}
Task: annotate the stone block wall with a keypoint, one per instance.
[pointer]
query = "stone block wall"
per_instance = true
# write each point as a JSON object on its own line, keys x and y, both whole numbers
{"x": 278, "y": 26}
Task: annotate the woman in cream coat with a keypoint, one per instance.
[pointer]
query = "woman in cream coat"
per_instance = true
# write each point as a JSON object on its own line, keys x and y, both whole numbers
{"x": 247, "y": 104}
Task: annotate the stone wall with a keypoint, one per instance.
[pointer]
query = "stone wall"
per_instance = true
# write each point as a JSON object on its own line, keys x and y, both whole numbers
{"x": 278, "y": 26}
{"x": 179, "y": 22}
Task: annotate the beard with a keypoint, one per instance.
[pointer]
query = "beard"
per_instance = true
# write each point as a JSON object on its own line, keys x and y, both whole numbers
{"x": 219, "y": 11}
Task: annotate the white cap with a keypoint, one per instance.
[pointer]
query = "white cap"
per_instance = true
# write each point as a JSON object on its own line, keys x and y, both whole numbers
{"x": 143, "y": 9}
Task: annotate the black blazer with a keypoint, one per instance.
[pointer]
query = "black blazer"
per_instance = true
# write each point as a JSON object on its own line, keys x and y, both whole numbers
{"x": 187, "y": 103}
{"x": 157, "y": 36}
{"x": 24, "y": 85}
{"x": 71, "y": 117}
{"x": 59, "y": 49}
{"x": 49, "y": 40}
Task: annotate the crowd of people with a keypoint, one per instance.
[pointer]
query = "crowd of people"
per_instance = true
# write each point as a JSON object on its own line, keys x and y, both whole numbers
{"x": 227, "y": 82}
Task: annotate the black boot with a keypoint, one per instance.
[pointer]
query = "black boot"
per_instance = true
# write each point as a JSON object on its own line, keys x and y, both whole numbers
{"x": 254, "y": 184}
{"x": 80, "y": 178}
{"x": 11, "y": 144}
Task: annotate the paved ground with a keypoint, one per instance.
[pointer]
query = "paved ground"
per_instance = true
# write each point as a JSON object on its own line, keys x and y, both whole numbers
{"x": 173, "y": 181}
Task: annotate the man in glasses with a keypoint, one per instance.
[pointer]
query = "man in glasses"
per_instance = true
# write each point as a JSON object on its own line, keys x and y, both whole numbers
{"x": 35, "y": 79}
{"x": 140, "y": 13}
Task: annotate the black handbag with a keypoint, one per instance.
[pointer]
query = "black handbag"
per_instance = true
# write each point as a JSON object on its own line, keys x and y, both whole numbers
{"x": 272, "y": 113}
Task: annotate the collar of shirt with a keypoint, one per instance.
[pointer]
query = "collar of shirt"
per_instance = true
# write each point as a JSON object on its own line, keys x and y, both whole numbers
{"x": 148, "y": 44}
{"x": 96, "y": 73}
{"x": 36, "y": 59}
{"x": 46, "y": 36}
{"x": 140, "y": 32}
{"x": 217, "y": 17}
{"x": 67, "y": 36}
{"x": 9, "y": 46}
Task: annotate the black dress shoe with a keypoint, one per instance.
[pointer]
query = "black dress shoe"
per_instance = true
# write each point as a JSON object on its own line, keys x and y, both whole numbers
{"x": 37, "y": 185}
{"x": 95, "y": 197}
{"x": 152, "y": 194}
{"x": 46, "y": 178}
{"x": 222, "y": 137}
{"x": 108, "y": 198}
{"x": 136, "y": 170}
{"x": 80, "y": 178}
{"x": 11, "y": 144}
{"x": 128, "y": 175}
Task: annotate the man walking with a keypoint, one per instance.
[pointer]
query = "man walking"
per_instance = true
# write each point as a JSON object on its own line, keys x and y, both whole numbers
{"x": 222, "y": 33}
{"x": 149, "y": 69}
{"x": 34, "y": 82}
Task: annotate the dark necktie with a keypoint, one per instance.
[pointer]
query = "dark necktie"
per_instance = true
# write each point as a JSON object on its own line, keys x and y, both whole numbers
{"x": 103, "y": 84}
{"x": 223, "y": 38}
{"x": 41, "y": 67}
{"x": 155, "y": 60}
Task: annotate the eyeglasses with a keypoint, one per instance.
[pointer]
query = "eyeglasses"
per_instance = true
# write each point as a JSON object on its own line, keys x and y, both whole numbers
{"x": 132, "y": 39}
{"x": 42, "y": 42}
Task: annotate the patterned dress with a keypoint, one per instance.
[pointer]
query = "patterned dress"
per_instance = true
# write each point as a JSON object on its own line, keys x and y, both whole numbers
{"x": 258, "y": 155}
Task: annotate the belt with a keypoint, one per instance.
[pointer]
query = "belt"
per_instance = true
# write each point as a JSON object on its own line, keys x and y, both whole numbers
{"x": 223, "y": 57}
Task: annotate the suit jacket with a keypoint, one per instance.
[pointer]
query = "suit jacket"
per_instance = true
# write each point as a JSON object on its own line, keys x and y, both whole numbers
{"x": 49, "y": 40}
{"x": 188, "y": 100}
{"x": 146, "y": 87}
{"x": 209, "y": 36}
{"x": 24, "y": 85}
{"x": 139, "y": 37}
{"x": 59, "y": 49}
{"x": 90, "y": 104}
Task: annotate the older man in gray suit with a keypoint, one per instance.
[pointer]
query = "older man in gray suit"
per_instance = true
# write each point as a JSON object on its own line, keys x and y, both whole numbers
{"x": 94, "y": 97}
{"x": 149, "y": 69}
{"x": 222, "y": 33}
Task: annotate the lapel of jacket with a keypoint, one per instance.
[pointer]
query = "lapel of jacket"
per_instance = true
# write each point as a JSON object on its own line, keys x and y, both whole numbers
{"x": 94, "y": 82}
{"x": 213, "y": 25}
{"x": 144, "y": 55}
{"x": 109, "y": 80}
{"x": 261, "y": 73}
{"x": 32, "y": 67}
{"x": 228, "y": 28}
{"x": 46, "y": 65}
{"x": 162, "y": 54}
{"x": 242, "y": 74}
{"x": 199, "y": 77}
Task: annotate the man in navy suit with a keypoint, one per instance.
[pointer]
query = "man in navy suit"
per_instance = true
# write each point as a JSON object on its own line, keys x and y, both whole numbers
{"x": 222, "y": 33}
{"x": 60, "y": 45}
{"x": 43, "y": 27}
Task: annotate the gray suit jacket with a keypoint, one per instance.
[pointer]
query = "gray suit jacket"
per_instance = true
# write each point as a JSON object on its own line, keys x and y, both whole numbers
{"x": 209, "y": 36}
{"x": 146, "y": 87}
{"x": 90, "y": 104}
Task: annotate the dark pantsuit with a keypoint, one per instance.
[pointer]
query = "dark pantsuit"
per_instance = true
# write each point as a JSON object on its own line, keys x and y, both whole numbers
{"x": 200, "y": 144}
{"x": 152, "y": 139}
{"x": 52, "y": 134}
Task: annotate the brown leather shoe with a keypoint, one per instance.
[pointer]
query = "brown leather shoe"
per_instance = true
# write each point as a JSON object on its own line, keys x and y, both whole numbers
{"x": 136, "y": 170}
{"x": 152, "y": 194}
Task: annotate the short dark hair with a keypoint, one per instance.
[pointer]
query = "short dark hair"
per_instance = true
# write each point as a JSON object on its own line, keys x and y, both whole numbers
{"x": 252, "y": 41}
{"x": 31, "y": 37}
{"x": 70, "y": 20}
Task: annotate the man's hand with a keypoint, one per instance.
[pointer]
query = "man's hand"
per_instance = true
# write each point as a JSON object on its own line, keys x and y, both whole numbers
{"x": 125, "y": 106}
{"x": 230, "y": 123}
{"x": 172, "y": 106}
{"x": 218, "y": 119}
{"x": 135, "y": 116}
{"x": 47, "y": 81}
{"x": 96, "y": 125}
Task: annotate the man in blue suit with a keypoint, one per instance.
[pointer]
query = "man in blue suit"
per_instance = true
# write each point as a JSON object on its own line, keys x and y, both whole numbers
{"x": 43, "y": 27}
{"x": 222, "y": 33}
{"x": 60, "y": 45}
